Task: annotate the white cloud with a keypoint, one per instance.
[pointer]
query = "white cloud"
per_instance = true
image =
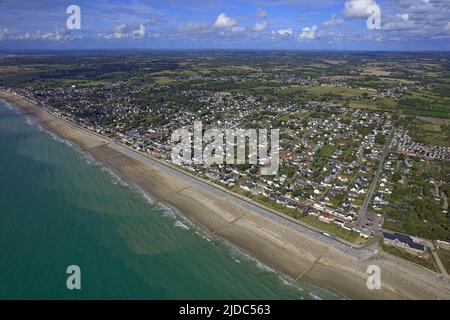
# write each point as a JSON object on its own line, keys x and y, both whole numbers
{"x": 152, "y": 21}
{"x": 416, "y": 19}
{"x": 260, "y": 26}
{"x": 3, "y": 33}
{"x": 448, "y": 26}
{"x": 125, "y": 31}
{"x": 61, "y": 34}
{"x": 29, "y": 36}
{"x": 403, "y": 16}
{"x": 308, "y": 33}
{"x": 120, "y": 31}
{"x": 223, "y": 21}
{"x": 139, "y": 32}
{"x": 333, "y": 22}
{"x": 260, "y": 13}
{"x": 358, "y": 8}
{"x": 237, "y": 29}
{"x": 283, "y": 32}
{"x": 45, "y": 36}
{"x": 195, "y": 28}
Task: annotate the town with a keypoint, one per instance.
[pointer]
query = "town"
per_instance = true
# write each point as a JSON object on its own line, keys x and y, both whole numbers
{"x": 358, "y": 161}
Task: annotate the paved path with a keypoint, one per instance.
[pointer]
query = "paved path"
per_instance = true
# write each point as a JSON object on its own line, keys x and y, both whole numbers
{"x": 363, "y": 210}
{"x": 437, "y": 259}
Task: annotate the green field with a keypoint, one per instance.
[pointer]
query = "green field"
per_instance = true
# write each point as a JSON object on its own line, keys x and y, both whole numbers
{"x": 427, "y": 132}
{"x": 399, "y": 252}
{"x": 444, "y": 255}
{"x": 339, "y": 91}
{"x": 334, "y": 229}
{"x": 425, "y": 103}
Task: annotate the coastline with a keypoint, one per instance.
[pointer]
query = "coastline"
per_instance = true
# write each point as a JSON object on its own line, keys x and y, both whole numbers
{"x": 291, "y": 249}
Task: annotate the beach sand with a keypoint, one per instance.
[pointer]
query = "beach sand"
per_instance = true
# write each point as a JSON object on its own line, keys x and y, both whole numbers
{"x": 301, "y": 255}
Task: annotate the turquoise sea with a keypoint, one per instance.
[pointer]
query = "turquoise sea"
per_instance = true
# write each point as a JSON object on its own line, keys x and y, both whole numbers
{"x": 58, "y": 207}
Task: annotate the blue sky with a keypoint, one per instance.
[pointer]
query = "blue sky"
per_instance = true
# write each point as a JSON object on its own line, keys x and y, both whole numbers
{"x": 252, "y": 24}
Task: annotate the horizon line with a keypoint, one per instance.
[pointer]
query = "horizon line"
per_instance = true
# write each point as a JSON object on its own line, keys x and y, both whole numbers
{"x": 12, "y": 51}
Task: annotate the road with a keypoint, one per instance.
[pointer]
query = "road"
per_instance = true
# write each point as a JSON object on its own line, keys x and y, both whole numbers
{"x": 363, "y": 211}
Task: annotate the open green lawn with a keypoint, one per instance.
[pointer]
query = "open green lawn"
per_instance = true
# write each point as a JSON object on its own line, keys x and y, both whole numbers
{"x": 402, "y": 253}
{"x": 444, "y": 255}
{"x": 163, "y": 80}
{"x": 327, "y": 151}
{"x": 340, "y": 91}
{"x": 362, "y": 105}
{"x": 334, "y": 229}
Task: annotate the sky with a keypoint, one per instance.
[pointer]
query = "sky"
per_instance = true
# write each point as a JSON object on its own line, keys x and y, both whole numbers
{"x": 411, "y": 25}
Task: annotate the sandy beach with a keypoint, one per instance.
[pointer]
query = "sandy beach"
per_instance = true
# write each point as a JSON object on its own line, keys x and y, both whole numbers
{"x": 280, "y": 243}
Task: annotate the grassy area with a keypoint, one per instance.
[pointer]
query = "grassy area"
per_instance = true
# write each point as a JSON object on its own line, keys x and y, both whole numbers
{"x": 163, "y": 80}
{"x": 432, "y": 134}
{"x": 432, "y": 127}
{"x": 80, "y": 82}
{"x": 402, "y": 253}
{"x": 362, "y": 105}
{"x": 331, "y": 228}
{"x": 171, "y": 72}
{"x": 340, "y": 91}
{"x": 384, "y": 103}
{"x": 444, "y": 255}
{"x": 425, "y": 103}
{"x": 428, "y": 130}
{"x": 376, "y": 71}
{"x": 327, "y": 151}
{"x": 240, "y": 68}
{"x": 334, "y": 229}
{"x": 242, "y": 192}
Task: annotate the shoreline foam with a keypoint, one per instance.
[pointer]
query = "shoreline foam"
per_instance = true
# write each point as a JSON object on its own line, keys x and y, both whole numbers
{"x": 278, "y": 244}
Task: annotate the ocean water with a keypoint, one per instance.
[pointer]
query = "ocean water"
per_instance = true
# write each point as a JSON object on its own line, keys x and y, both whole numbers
{"x": 58, "y": 207}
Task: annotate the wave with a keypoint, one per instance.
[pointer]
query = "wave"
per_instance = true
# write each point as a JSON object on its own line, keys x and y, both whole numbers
{"x": 59, "y": 139}
{"x": 181, "y": 225}
{"x": 235, "y": 251}
{"x": 315, "y": 297}
{"x": 204, "y": 236}
{"x": 12, "y": 107}
{"x": 7, "y": 104}
{"x": 238, "y": 255}
{"x": 180, "y": 220}
{"x": 116, "y": 179}
{"x": 33, "y": 123}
